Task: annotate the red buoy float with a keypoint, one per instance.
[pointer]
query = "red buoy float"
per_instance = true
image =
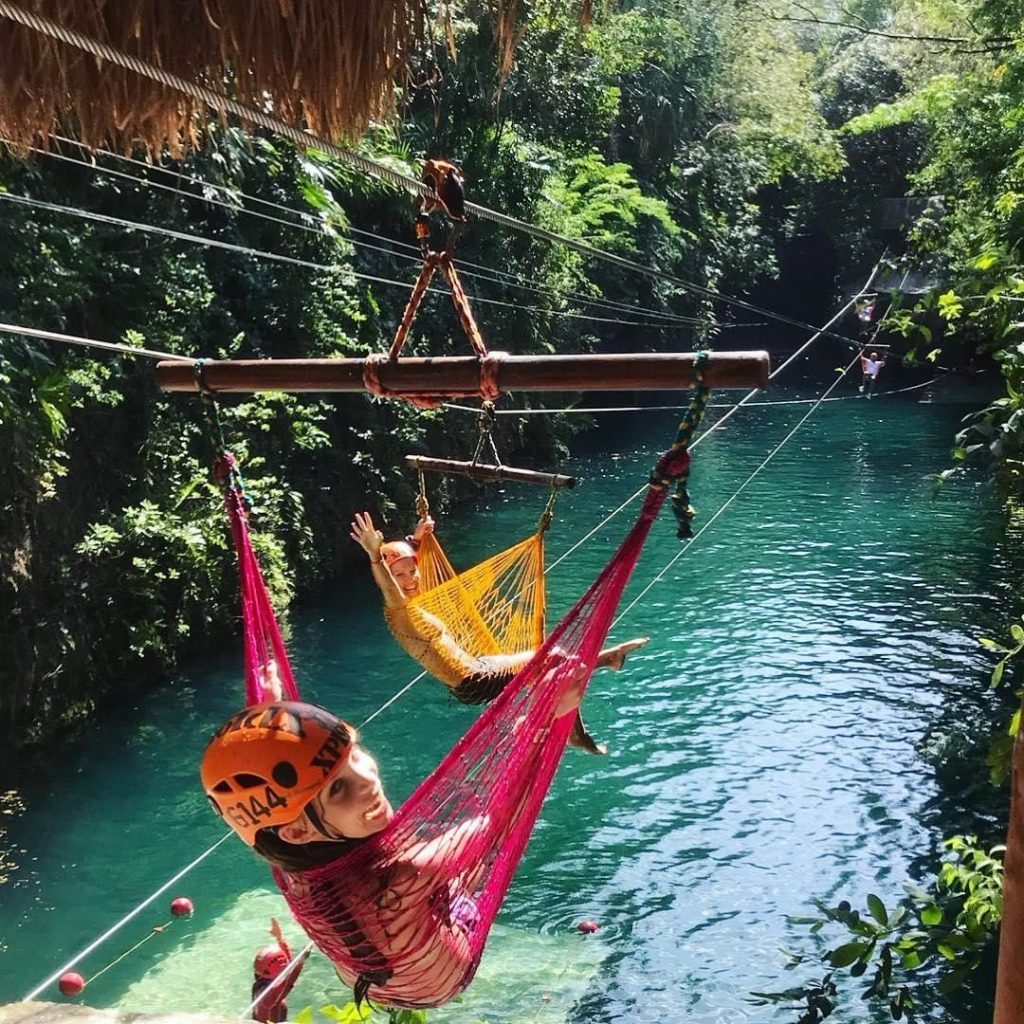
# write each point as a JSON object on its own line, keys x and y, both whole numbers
{"x": 587, "y": 927}
{"x": 182, "y": 906}
{"x": 71, "y": 983}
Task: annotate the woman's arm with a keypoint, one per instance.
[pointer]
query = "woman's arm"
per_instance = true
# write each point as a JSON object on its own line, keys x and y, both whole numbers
{"x": 369, "y": 538}
{"x": 275, "y": 930}
{"x": 474, "y": 838}
{"x": 462, "y": 840}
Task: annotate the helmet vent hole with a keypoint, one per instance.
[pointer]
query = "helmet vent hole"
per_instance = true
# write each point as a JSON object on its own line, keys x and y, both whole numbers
{"x": 284, "y": 774}
{"x": 222, "y": 787}
{"x": 247, "y": 781}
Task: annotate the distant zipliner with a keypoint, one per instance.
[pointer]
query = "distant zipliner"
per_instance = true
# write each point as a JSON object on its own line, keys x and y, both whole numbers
{"x": 870, "y": 366}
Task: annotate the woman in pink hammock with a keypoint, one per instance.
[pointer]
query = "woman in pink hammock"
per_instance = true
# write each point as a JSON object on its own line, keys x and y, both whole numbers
{"x": 424, "y": 637}
{"x": 293, "y": 781}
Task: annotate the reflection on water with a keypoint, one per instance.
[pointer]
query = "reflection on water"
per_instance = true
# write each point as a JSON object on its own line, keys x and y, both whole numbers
{"x": 763, "y": 746}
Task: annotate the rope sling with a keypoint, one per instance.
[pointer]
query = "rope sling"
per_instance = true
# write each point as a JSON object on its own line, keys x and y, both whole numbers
{"x": 404, "y": 915}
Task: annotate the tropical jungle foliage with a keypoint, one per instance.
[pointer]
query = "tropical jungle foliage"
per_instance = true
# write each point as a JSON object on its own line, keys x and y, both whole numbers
{"x": 931, "y": 93}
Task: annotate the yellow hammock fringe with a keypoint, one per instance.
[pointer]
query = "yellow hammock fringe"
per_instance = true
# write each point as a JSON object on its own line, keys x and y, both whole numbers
{"x": 496, "y": 607}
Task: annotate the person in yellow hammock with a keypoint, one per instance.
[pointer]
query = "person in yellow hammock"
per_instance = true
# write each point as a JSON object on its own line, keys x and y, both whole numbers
{"x": 472, "y": 679}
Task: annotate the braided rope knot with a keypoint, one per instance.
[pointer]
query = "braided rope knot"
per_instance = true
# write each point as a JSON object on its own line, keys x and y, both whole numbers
{"x": 225, "y": 467}
{"x": 488, "y": 389}
{"x": 673, "y": 464}
{"x": 229, "y": 476}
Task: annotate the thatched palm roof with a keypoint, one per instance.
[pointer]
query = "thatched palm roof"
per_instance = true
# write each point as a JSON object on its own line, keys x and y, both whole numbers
{"x": 332, "y": 65}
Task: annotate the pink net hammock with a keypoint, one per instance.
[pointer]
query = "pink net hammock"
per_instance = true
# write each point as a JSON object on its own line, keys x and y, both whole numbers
{"x": 261, "y": 635}
{"x": 404, "y": 915}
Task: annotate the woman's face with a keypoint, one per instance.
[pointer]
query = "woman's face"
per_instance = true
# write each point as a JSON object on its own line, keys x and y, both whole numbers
{"x": 352, "y": 802}
{"x": 407, "y": 575}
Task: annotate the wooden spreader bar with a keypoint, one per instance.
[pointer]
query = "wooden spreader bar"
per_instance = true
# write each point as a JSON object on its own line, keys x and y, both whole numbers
{"x": 460, "y": 375}
{"x": 481, "y": 471}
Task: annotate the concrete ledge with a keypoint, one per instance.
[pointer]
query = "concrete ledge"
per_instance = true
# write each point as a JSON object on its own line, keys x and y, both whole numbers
{"x": 74, "y": 1013}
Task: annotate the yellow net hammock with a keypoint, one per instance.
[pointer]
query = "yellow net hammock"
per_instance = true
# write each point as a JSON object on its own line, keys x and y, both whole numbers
{"x": 495, "y": 607}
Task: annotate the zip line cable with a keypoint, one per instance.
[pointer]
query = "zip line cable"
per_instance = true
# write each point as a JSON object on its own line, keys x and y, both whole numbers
{"x": 412, "y": 250}
{"x": 593, "y": 410}
{"x": 788, "y": 362}
{"x": 745, "y": 400}
{"x": 739, "y": 490}
{"x": 771, "y": 455}
{"x": 313, "y": 226}
{"x": 371, "y": 168}
{"x": 131, "y": 350}
{"x": 108, "y": 346}
{"x": 310, "y": 223}
{"x": 216, "y": 243}
{"x": 124, "y": 920}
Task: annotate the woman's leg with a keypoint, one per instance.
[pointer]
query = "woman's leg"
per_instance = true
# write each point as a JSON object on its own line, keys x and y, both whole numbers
{"x": 615, "y": 657}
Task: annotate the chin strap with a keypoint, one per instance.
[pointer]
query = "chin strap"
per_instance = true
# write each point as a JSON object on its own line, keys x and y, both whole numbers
{"x": 317, "y": 821}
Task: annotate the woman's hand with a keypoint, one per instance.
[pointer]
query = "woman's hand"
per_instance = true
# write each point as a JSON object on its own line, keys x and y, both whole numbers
{"x": 424, "y": 527}
{"x": 366, "y": 535}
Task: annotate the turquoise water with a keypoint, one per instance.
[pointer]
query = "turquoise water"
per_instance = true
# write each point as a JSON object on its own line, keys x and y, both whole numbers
{"x": 763, "y": 746}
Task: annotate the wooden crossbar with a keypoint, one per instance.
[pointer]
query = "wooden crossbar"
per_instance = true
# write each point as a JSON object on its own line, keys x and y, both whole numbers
{"x": 460, "y": 375}
{"x": 481, "y": 471}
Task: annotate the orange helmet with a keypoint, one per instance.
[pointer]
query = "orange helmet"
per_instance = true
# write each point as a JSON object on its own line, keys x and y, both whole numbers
{"x": 396, "y": 550}
{"x": 267, "y": 762}
{"x": 270, "y": 962}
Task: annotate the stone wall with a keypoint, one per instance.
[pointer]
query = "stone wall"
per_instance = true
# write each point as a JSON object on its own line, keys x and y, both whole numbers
{"x": 74, "y": 1013}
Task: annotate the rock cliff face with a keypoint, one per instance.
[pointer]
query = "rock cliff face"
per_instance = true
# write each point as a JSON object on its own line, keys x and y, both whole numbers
{"x": 68, "y": 1013}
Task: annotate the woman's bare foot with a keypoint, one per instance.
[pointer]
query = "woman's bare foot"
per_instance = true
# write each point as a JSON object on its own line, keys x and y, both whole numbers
{"x": 580, "y": 737}
{"x": 615, "y": 657}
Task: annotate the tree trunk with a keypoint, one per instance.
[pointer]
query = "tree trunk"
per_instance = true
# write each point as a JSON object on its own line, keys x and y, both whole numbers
{"x": 1010, "y": 976}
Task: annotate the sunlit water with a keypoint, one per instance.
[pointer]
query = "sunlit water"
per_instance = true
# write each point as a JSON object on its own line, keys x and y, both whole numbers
{"x": 763, "y": 747}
